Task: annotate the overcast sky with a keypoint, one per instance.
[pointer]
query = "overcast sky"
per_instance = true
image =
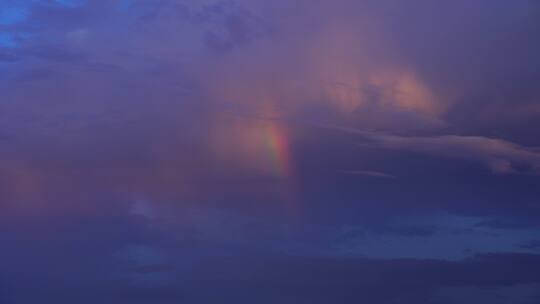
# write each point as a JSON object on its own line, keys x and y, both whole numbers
{"x": 269, "y": 151}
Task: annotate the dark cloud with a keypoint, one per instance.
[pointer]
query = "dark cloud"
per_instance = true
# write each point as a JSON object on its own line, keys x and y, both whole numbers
{"x": 154, "y": 269}
{"x": 418, "y": 230}
{"x": 314, "y": 280}
{"x": 233, "y": 25}
{"x": 507, "y": 223}
{"x": 534, "y": 244}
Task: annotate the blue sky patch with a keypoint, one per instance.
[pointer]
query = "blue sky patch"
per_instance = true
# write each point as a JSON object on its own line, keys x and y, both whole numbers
{"x": 11, "y": 15}
{"x": 7, "y": 40}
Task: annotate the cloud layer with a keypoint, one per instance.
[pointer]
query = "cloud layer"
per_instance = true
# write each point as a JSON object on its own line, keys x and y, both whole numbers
{"x": 278, "y": 151}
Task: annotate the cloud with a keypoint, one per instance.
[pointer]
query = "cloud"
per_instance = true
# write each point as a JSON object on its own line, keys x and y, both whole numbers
{"x": 370, "y": 173}
{"x": 508, "y": 223}
{"x": 9, "y": 57}
{"x": 534, "y": 244}
{"x": 501, "y": 156}
{"x": 106, "y": 99}
{"x": 286, "y": 279}
{"x": 157, "y": 268}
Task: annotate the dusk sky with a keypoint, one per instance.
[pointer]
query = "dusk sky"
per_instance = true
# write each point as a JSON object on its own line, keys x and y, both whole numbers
{"x": 270, "y": 151}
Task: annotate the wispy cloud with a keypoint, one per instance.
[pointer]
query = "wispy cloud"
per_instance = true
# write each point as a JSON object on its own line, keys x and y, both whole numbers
{"x": 501, "y": 156}
{"x": 370, "y": 173}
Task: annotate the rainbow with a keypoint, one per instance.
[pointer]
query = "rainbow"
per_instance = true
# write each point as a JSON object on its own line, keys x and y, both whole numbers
{"x": 277, "y": 143}
{"x": 281, "y": 161}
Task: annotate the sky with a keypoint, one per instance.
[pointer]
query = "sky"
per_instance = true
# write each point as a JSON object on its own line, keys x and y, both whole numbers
{"x": 252, "y": 151}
